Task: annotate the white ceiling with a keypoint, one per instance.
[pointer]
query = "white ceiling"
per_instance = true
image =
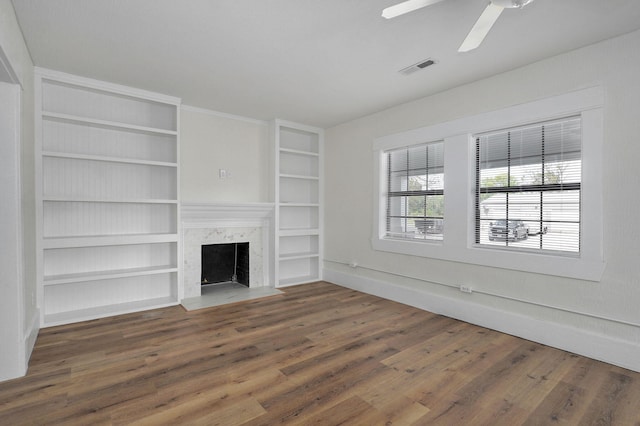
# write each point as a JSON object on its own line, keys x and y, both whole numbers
{"x": 319, "y": 62}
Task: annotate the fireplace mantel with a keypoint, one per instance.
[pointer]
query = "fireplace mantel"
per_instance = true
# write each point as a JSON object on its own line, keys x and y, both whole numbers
{"x": 227, "y": 214}
{"x": 206, "y": 223}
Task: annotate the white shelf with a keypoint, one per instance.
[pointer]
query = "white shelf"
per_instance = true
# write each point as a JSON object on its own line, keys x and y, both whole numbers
{"x": 308, "y": 177}
{"x": 293, "y": 204}
{"x": 294, "y": 256}
{"x": 298, "y": 194}
{"x": 105, "y": 123}
{"x": 107, "y": 159}
{"x": 298, "y": 280}
{"x": 107, "y": 240}
{"x": 105, "y": 200}
{"x": 298, "y": 232}
{"x": 108, "y": 310}
{"x": 104, "y": 275}
{"x": 299, "y": 152}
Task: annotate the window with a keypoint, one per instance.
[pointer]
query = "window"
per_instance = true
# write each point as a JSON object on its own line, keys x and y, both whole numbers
{"x": 538, "y": 180}
{"x": 415, "y": 192}
{"x": 528, "y": 182}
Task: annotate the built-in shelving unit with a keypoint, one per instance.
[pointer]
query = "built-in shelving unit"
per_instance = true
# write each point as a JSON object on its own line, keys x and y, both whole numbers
{"x": 107, "y": 171}
{"x": 298, "y": 197}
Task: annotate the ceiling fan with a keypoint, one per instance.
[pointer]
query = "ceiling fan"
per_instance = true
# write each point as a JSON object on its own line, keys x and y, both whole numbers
{"x": 480, "y": 29}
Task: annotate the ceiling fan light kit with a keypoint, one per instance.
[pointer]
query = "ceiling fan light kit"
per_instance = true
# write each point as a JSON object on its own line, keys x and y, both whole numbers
{"x": 479, "y": 30}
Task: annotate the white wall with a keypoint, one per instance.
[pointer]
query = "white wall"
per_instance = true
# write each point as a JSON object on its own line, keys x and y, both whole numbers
{"x": 17, "y": 298}
{"x": 11, "y": 301}
{"x": 212, "y": 141}
{"x": 598, "y": 319}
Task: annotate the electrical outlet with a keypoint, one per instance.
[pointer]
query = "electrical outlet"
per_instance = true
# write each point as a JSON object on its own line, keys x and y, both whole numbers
{"x": 222, "y": 173}
{"x": 466, "y": 289}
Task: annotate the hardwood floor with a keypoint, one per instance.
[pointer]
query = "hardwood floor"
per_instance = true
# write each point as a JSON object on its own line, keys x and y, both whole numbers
{"x": 318, "y": 354}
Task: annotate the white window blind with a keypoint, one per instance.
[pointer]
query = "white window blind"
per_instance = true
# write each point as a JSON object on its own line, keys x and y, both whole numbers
{"x": 415, "y": 192}
{"x": 528, "y": 183}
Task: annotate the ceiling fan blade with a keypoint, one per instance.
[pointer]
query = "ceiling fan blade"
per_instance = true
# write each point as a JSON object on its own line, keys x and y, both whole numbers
{"x": 406, "y": 7}
{"x": 481, "y": 27}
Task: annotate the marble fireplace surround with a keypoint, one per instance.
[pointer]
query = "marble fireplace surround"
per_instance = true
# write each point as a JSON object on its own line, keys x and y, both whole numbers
{"x": 208, "y": 223}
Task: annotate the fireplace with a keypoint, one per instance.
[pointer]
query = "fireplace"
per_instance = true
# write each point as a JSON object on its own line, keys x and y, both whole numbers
{"x": 225, "y": 263}
{"x": 213, "y": 224}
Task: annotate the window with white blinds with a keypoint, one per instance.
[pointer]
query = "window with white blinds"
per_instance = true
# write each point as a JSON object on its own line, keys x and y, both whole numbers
{"x": 528, "y": 187}
{"x": 520, "y": 197}
{"x": 415, "y": 192}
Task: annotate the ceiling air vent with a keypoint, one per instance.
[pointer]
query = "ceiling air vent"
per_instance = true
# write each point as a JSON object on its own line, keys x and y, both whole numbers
{"x": 417, "y": 67}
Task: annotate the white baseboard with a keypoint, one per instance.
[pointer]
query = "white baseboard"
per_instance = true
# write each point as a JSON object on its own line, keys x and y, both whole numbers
{"x": 16, "y": 359}
{"x": 30, "y": 336}
{"x": 619, "y": 352}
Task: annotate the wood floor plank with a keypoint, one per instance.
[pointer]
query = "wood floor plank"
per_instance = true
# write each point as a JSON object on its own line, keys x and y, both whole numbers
{"x": 559, "y": 406}
{"x": 483, "y": 388}
{"x": 350, "y": 411}
{"x": 447, "y": 361}
{"x": 611, "y": 396}
{"x": 317, "y": 354}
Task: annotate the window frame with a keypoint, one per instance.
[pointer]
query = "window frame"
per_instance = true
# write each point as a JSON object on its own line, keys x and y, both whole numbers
{"x": 458, "y": 244}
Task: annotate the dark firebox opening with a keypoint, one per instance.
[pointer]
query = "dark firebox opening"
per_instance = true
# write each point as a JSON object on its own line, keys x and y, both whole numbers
{"x": 224, "y": 263}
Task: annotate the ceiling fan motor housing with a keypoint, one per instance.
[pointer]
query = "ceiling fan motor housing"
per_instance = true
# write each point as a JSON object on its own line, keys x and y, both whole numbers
{"x": 511, "y": 3}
